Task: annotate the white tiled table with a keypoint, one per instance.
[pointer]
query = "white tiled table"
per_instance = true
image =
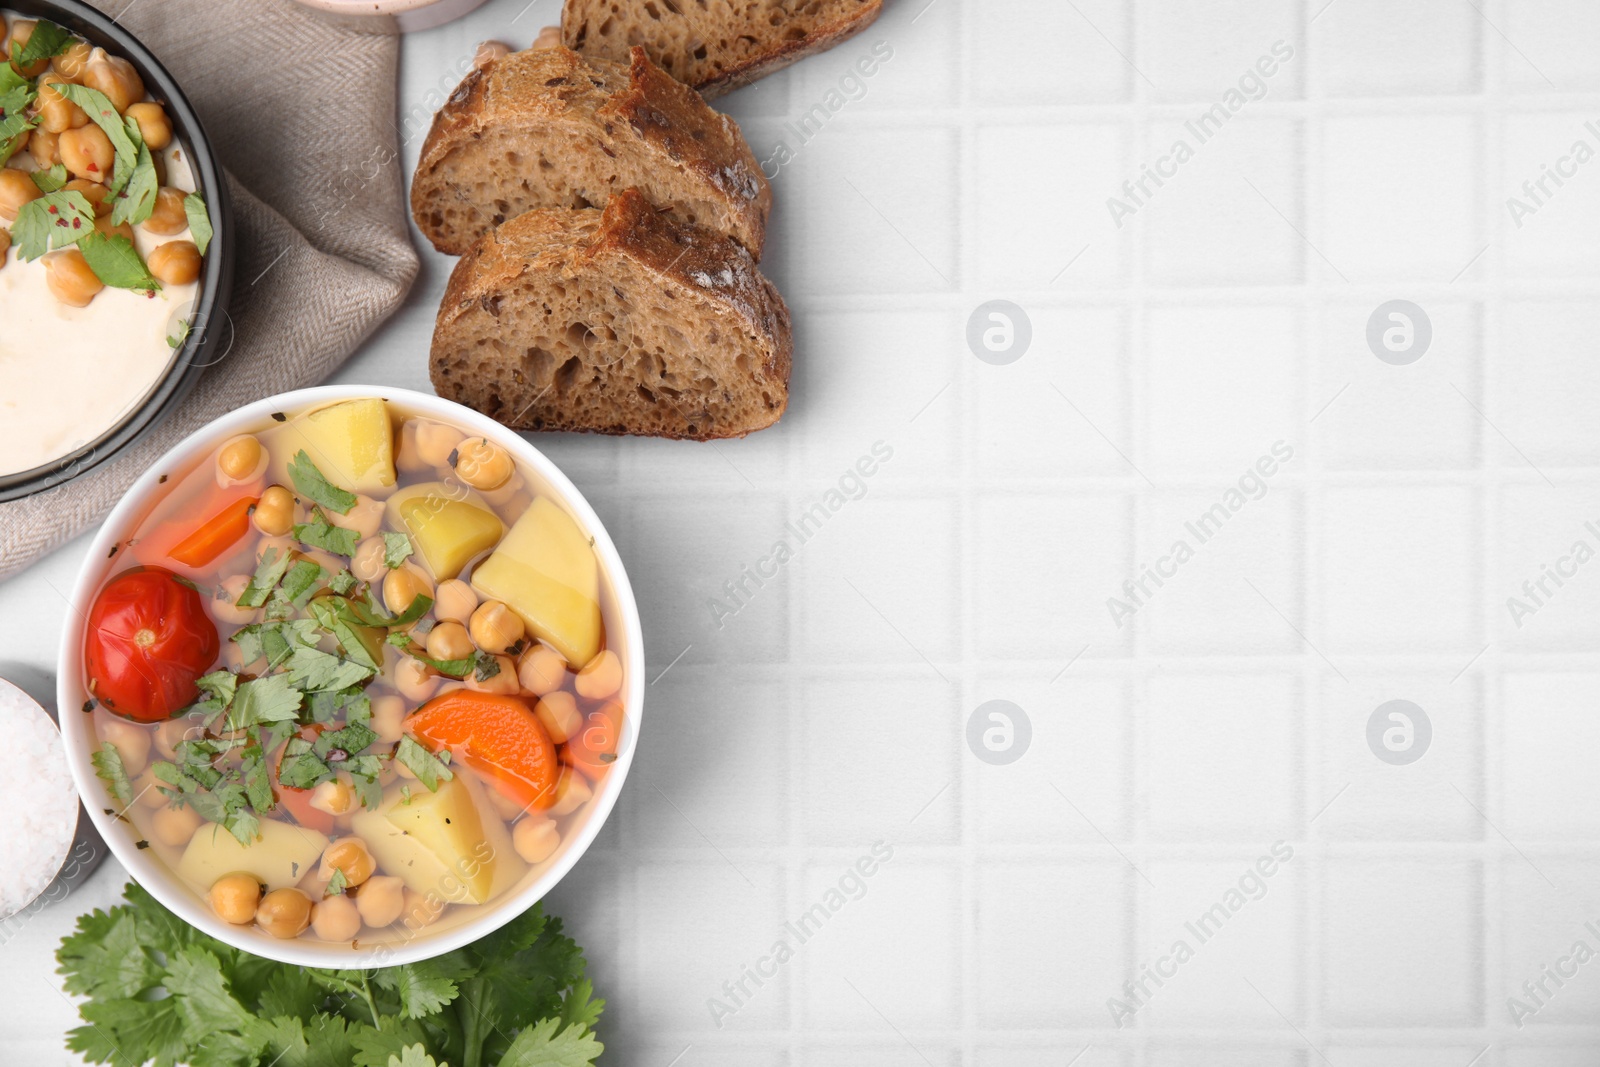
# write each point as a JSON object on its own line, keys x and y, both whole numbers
{"x": 1227, "y": 313}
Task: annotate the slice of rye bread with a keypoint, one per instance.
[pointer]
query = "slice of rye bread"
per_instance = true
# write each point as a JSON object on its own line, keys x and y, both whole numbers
{"x": 623, "y": 322}
{"x": 715, "y": 45}
{"x": 550, "y": 128}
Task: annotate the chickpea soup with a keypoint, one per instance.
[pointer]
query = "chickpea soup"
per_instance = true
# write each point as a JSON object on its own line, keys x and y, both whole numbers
{"x": 349, "y": 675}
{"x": 102, "y": 236}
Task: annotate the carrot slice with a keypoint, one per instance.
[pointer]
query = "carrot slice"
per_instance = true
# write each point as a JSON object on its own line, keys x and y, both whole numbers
{"x": 216, "y": 535}
{"x": 497, "y": 736}
{"x": 296, "y": 800}
{"x": 592, "y": 748}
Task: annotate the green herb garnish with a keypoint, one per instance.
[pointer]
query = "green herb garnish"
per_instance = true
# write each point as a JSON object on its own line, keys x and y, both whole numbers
{"x": 183, "y": 335}
{"x": 55, "y": 220}
{"x": 158, "y": 989}
{"x": 309, "y": 483}
{"x": 262, "y": 700}
{"x": 430, "y": 771}
{"x": 137, "y": 202}
{"x": 336, "y": 884}
{"x": 116, "y": 262}
{"x": 396, "y": 549}
{"x": 269, "y": 572}
{"x": 194, "y": 207}
{"x": 108, "y": 767}
{"x": 320, "y": 533}
{"x": 47, "y": 41}
{"x": 50, "y": 180}
{"x": 103, "y": 113}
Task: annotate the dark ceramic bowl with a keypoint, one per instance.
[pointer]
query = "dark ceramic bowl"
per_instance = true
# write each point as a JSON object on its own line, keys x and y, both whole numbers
{"x": 211, "y": 330}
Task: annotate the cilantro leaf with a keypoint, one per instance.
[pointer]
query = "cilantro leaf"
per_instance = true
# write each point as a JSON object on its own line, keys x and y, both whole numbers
{"x": 11, "y": 80}
{"x": 342, "y": 582}
{"x": 194, "y": 207}
{"x": 55, "y": 220}
{"x": 542, "y": 1045}
{"x": 109, "y": 769}
{"x": 116, "y": 262}
{"x": 309, "y": 483}
{"x": 47, "y": 41}
{"x": 330, "y": 613}
{"x": 301, "y": 579}
{"x": 138, "y": 201}
{"x": 263, "y": 700}
{"x": 320, "y": 533}
{"x": 422, "y": 763}
{"x": 313, "y": 670}
{"x": 50, "y": 180}
{"x": 486, "y": 667}
{"x": 336, "y": 884}
{"x": 103, "y": 113}
{"x": 396, "y": 549}
{"x": 268, "y": 573}
{"x": 221, "y": 685}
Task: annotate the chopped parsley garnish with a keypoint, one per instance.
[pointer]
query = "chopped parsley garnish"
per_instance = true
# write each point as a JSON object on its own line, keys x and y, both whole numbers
{"x": 269, "y": 572}
{"x": 50, "y": 180}
{"x": 109, "y": 769}
{"x": 47, "y": 41}
{"x": 55, "y": 220}
{"x": 137, "y": 201}
{"x": 116, "y": 262}
{"x": 320, "y": 533}
{"x": 336, "y": 884}
{"x": 309, "y": 483}
{"x": 103, "y": 113}
{"x": 194, "y": 206}
{"x": 396, "y": 549}
{"x": 430, "y": 771}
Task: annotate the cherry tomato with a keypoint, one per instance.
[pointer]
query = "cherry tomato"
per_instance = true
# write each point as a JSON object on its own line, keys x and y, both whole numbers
{"x": 148, "y": 639}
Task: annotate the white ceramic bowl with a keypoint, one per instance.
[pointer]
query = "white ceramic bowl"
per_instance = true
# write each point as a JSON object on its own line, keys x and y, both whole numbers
{"x": 410, "y": 15}
{"x": 460, "y": 925}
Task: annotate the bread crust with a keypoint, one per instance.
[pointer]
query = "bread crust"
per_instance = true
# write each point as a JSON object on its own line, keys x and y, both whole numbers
{"x": 779, "y": 55}
{"x": 688, "y": 262}
{"x": 637, "y": 110}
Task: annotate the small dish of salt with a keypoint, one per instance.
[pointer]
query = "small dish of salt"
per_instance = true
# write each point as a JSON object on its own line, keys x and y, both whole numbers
{"x": 37, "y": 794}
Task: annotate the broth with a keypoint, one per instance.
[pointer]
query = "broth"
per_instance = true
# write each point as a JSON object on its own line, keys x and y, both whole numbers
{"x": 350, "y": 676}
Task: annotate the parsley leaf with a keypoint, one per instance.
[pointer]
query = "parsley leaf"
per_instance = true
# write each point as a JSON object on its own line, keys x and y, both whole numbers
{"x": 336, "y": 884}
{"x": 316, "y": 671}
{"x": 55, "y": 220}
{"x": 300, "y": 580}
{"x": 422, "y": 763}
{"x": 541, "y": 1045}
{"x": 103, "y": 113}
{"x": 269, "y": 571}
{"x": 263, "y": 700}
{"x": 109, "y": 769}
{"x": 342, "y": 582}
{"x": 396, "y": 549}
{"x": 138, "y": 201}
{"x": 309, "y": 483}
{"x": 194, "y": 206}
{"x": 47, "y": 41}
{"x": 220, "y": 685}
{"x": 320, "y": 533}
{"x": 50, "y": 180}
{"x": 116, "y": 262}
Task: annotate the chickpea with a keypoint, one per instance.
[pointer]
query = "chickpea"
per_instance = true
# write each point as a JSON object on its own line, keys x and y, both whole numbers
{"x": 350, "y": 855}
{"x": 168, "y": 216}
{"x": 175, "y": 263}
{"x": 388, "y": 712}
{"x": 21, "y": 32}
{"x": 274, "y": 514}
{"x": 380, "y": 899}
{"x": 413, "y": 681}
{"x": 496, "y": 628}
{"x": 115, "y": 77}
{"x": 70, "y": 280}
{"x": 240, "y": 458}
{"x": 541, "y": 670}
{"x": 98, "y": 195}
{"x": 173, "y": 732}
{"x": 549, "y": 37}
{"x": 403, "y": 585}
{"x": 600, "y": 677}
{"x": 87, "y": 152}
{"x": 367, "y": 563}
{"x": 572, "y": 793}
{"x": 234, "y": 897}
{"x": 488, "y": 52}
{"x": 154, "y": 126}
{"x": 455, "y": 601}
{"x": 435, "y": 442}
{"x": 56, "y": 113}
{"x": 5, "y": 245}
{"x": 174, "y": 826}
{"x": 365, "y": 518}
{"x": 225, "y": 601}
{"x": 70, "y": 64}
{"x": 45, "y": 148}
{"x": 104, "y": 227}
{"x": 504, "y": 681}
{"x": 335, "y": 796}
{"x": 449, "y": 640}
{"x": 558, "y": 713}
{"x": 147, "y": 791}
{"x": 16, "y": 189}
{"x": 335, "y": 918}
{"x": 535, "y": 839}
{"x": 284, "y": 913}
{"x": 131, "y": 742}
{"x": 506, "y": 807}
{"x": 483, "y": 464}
{"x": 420, "y": 909}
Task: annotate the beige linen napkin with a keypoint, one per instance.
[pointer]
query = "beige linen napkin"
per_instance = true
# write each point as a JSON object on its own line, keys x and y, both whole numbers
{"x": 301, "y": 112}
